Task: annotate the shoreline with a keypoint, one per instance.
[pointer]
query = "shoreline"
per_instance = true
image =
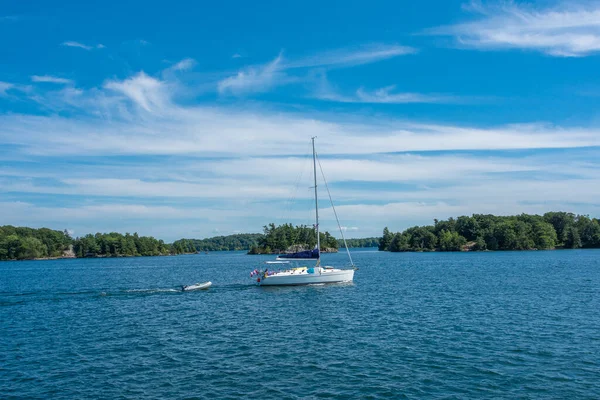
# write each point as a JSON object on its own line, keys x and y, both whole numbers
{"x": 266, "y": 254}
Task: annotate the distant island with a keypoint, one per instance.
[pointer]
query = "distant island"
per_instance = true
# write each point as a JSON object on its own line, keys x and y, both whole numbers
{"x": 489, "y": 232}
{"x": 553, "y": 230}
{"x": 288, "y": 238}
{"x": 23, "y": 243}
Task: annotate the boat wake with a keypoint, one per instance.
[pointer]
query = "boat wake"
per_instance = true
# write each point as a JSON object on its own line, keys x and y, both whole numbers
{"x": 157, "y": 290}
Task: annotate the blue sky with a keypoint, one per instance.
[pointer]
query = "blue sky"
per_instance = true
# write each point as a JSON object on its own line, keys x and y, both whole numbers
{"x": 189, "y": 120}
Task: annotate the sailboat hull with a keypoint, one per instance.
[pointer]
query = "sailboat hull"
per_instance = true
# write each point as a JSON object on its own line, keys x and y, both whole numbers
{"x": 292, "y": 279}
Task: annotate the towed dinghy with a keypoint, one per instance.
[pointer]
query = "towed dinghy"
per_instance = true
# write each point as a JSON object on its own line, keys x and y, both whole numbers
{"x": 197, "y": 286}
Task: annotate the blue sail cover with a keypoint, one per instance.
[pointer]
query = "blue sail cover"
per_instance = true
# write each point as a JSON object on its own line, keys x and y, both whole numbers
{"x": 303, "y": 255}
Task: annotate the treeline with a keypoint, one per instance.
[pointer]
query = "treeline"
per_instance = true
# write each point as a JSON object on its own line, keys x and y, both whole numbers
{"x": 489, "y": 232}
{"x": 288, "y": 238}
{"x": 20, "y": 243}
{"x": 364, "y": 242}
{"x": 242, "y": 241}
{"x": 118, "y": 245}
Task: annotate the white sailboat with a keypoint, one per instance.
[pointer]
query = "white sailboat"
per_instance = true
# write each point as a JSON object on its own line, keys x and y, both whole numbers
{"x": 304, "y": 275}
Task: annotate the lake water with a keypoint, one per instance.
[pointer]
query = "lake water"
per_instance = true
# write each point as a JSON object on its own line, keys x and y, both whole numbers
{"x": 431, "y": 325}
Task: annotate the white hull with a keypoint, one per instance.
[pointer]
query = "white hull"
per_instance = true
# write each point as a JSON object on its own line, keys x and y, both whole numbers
{"x": 304, "y": 275}
{"x": 288, "y": 278}
{"x": 197, "y": 286}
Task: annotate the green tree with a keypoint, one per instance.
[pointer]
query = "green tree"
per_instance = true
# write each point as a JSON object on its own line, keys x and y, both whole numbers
{"x": 572, "y": 239}
{"x": 400, "y": 242}
{"x": 451, "y": 241}
{"x": 30, "y": 248}
{"x": 544, "y": 235}
{"x": 386, "y": 239}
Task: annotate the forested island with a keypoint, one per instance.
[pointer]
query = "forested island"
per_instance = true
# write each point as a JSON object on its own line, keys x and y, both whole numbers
{"x": 363, "y": 242}
{"x": 241, "y": 241}
{"x": 489, "y": 232}
{"x": 289, "y": 238}
{"x": 479, "y": 232}
{"x": 22, "y": 243}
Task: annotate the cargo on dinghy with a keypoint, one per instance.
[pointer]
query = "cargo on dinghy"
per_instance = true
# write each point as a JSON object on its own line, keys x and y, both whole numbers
{"x": 197, "y": 286}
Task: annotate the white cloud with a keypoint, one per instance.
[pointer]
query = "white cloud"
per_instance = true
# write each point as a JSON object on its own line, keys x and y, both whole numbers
{"x": 381, "y": 168}
{"x": 351, "y": 57}
{"x": 165, "y": 128}
{"x": 173, "y": 162}
{"x": 145, "y": 91}
{"x": 570, "y": 29}
{"x": 236, "y": 55}
{"x": 51, "y": 79}
{"x": 212, "y": 189}
{"x": 264, "y": 77}
{"x": 82, "y": 46}
{"x": 4, "y": 87}
{"x": 184, "y": 65}
{"x": 77, "y": 44}
{"x": 13, "y": 212}
{"x": 254, "y": 79}
{"x": 387, "y": 95}
{"x": 384, "y": 95}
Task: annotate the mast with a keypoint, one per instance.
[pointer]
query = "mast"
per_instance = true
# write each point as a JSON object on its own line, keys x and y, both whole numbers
{"x": 316, "y": 197}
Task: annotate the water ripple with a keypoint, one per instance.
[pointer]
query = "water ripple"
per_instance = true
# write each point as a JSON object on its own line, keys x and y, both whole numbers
{"x": 486, "y": 325}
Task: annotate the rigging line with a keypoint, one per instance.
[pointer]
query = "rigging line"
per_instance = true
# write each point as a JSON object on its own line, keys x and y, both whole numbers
{"x": 297, "y": 239}
{"x": 334, "y": 212}
{"x": 289, "y": 203}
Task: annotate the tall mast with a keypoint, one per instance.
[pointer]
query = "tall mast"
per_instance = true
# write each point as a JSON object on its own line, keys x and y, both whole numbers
{"x": 316, "y": 198}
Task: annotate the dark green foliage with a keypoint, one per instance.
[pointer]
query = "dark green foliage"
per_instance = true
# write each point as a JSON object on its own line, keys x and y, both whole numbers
{"x": 386, "y": 239}
{"x": 21, "y": 243}
{"x": 280, "y": 239}
{"x": 422, "y": 238}
{"x": 117, "y": 245}
{"x": 400, "y": 242}
{"x": 364, "y": 242}
{"x": 467, "y": 227}
{"x": 451, "y": 241}
{"x": 490, "y": 232}
{"x": 544, "y": 235}
{"x": 243, "y": 241}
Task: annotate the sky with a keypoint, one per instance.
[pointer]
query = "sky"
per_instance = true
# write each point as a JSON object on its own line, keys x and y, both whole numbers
{"x": 190, "y": 119}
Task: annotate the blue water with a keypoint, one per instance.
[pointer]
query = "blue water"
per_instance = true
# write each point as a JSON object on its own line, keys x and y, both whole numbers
{"x": 432, "y": 325}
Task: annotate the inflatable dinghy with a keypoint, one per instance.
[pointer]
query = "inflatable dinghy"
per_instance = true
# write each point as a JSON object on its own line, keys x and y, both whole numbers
{"x": 197, "y": 286}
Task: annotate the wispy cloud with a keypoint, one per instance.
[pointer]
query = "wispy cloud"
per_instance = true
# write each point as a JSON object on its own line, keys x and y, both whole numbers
{"x": 175, "y": 69}
{"x": 236, "y": 55}
{"x": 4, "y": 86}
{"x": 50, "y": 79}
{"x": 386, "y": 95}
{"x": 567, "y": 30}
{"x": 254, "y": 79}
{"x": 184, "y": 65}
{"x": 138, "y": 111}
{"x": 82, "y": 46}
{"x": 237, "y": 166}
{"x": 144, "y": 91}
{"x": 351, "y": 57}
{"x": 260, "y": 78}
